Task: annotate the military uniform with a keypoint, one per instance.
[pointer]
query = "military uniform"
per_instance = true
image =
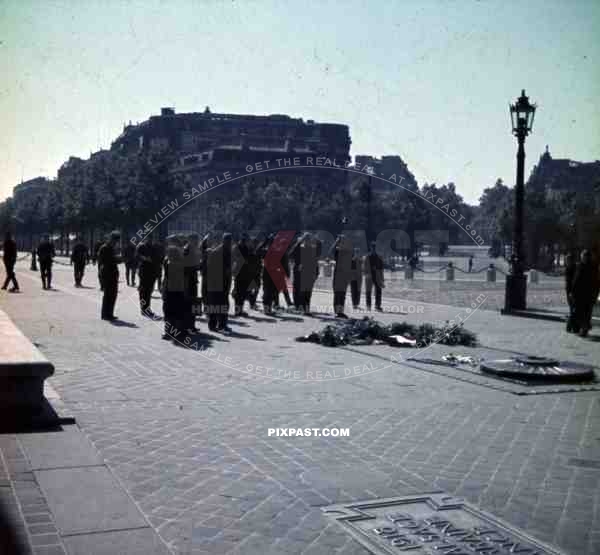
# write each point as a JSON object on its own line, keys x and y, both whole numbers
{"x": 130, "y": 263}
{"x": 306, "y": 271}
{"x": 356, "y": 279}
{"x": 46, "y": 253}
{"x": 218, "y": 277}
{"x": 109, "y": 277}
{"x": 79, "y": 257}
{"x": 9, "y": 255}
{"x": 373, "y": 271}
{"x": 147, "y": 276}
{"x": 342, "y": 274}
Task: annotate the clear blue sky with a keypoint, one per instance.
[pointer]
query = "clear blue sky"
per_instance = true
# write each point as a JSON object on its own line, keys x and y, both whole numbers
{"x": 428, "y": 80}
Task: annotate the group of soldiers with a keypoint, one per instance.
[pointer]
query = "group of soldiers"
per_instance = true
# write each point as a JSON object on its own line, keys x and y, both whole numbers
{"x": 233, "y": 269}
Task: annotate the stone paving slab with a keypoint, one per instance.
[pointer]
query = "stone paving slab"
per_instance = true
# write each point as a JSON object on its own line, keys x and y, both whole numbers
{"x": 127, "y": 542}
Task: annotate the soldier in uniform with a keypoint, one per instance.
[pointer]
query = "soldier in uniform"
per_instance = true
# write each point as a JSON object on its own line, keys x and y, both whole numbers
{"x": 342, "y": 273}
{"x": 147, "y": 276}
{"x": 254, "y": 263}
{"x": 109, "y": 275}
{"x": 306, "y": 270}
{"x": 269, "y": 289}
{"x": 9, "y": 255}
{"x": 79, "y": 258}
{"x": 356, "y": 266}
{"x": 173, "y": 291}
{"x": 586, "y": 285}
{"x": 192, "y": 261}
{"x": 373, "y": 270}
{"x": 243, "y": 274}
{"x": 130, "y": 263}
{"x": 219, "y": 284}
{"x": 158, "y": 255}
{"x": 46, "y": 253}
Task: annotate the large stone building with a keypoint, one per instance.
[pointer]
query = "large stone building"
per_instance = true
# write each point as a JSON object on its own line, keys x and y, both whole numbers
{"x": 209, "y": 144}
{"x": 556, "y": 175}
{"x": 386, "y": 166}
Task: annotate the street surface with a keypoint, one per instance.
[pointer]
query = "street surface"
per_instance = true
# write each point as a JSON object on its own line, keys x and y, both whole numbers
{"x": 187, "y": 434}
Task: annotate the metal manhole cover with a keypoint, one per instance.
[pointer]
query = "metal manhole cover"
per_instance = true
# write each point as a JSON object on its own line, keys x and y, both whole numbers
{"x": 540, "y": 369}
{"x": 432, "y": 523}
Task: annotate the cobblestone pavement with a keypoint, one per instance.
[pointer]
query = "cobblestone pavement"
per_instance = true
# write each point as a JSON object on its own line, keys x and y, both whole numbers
{"x": 187, "y": 435}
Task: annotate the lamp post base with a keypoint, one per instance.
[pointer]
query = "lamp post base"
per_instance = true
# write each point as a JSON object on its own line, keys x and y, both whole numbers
{"x": 515, "y": 297}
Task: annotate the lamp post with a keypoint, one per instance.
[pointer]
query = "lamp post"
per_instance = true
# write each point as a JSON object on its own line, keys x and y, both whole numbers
{"x": 521, "y": 114}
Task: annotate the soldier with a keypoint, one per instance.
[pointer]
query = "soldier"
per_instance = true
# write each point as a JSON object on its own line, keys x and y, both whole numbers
{"x": 109, "y": 275}
{"x": 254, "y": 263}
{"x": 79, "y": 258}
{"x": 306, "y": 270}
{"x": 570, "y": 269}
{"x": 173, "y": 291}
{"x": 9, "y": 255}
{"x": 269, "y": 289}
{"x": 130, "y": 263}
{"x": 373, "y": 270}
{"x": 158, "y": 255}
{"x": 342, "y": 273}
{"x": 192, "y": 262}
{"x": 356, "y": 266}
{"x": 244, "y": 275}
{"x": 46, "y": 253}
{"x": 203, "y": 270}
{"x": 97, "y": 246}
{"x": 585, "y": 292}
{"x": 147, "y": 274}
{"x": 219, "y": 284}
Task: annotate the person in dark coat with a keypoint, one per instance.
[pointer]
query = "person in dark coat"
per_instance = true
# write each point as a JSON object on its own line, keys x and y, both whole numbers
{"x": 173, "y": 292}
{"x": 130, "y": 263}
{"x": 158, "y": 255}
{"x": 570, "y": 268}
{"x": 243, "y": 274}
{"x": 254, "y": 262}
{"x": 585, "y": 292}
{"x": 218, "y": 285}
{"x": 342, "y": 274}
{"x": 306, "y": 270}
{"x": 470, "y": 263}
{"x": 109, "y": 276}
{"x": 203, "y": 271}
{"x": 373, "y": 270}
{"x": 97, "y": 246}
{"x": 46, "y": 254}
{"x": 356, "y": 278}
{"x": 269, "y": 289}
{"x": 147, "y": 275}
{"x": 192, "y": 257}
{"x": 79, "y": 258}
{"x": 9, "y": 256}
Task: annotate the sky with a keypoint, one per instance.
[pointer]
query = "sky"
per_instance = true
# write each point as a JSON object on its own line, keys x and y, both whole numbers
{"x": 428, "y": 80}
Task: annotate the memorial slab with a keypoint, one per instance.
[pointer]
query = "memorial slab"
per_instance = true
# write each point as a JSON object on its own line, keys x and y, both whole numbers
{"x": 88, "y": 500}
{"x": 432, "y": 523}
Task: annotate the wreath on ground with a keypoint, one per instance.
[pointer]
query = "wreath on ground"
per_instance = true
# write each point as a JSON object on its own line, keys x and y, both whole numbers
{"x": 367, "y": 331}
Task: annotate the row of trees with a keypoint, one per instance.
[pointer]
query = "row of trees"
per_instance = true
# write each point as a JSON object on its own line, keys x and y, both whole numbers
{"x": 111, "y": 190}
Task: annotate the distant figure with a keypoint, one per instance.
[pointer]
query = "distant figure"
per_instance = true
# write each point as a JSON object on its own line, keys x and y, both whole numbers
{"x": 373, "y": 270}
{"x": 584, "y": 293}
{"x": 130, "y": 263}
{"x": 470, "y": 263}
{"x": 46, "y": 254}
{"x": 570, "y": 269}
{"x": 356, "y": 279}
{"x": 306, "y": 271}
{"x": 109, "y": 276}
{"x": 79, "y": 258}
{"x": 243, "y": 274}
{"x": 158, "y": 255}
{"x": 219, "y": 284}
{"x": 192, "y": 256}
{"x": 97, "y": 246}
{"x": 269, "y": 288}
{"x": 9, "y": 255}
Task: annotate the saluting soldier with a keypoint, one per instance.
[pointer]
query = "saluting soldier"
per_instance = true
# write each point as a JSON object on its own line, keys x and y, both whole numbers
{"x": 109, "y": 275}
{"x": 46, "y": 254}
{"x": 79, "y": 258}
{"x": 147, "y": 274}
{"x": 373, "y": 270}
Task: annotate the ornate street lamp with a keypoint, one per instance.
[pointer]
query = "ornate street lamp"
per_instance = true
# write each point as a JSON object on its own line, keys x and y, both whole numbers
{"x": 521, "y": 115}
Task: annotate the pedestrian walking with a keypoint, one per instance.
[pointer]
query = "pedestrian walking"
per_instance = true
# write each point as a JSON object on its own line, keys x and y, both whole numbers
{"x": 130, "y": 263}
{"x": 79, "y": 258}
{"x": 570, "y": 269}
{"x": 373, "y": 270}
{"x": 9, "y": 256}
{"x": 46, "y": 254}
{"x": 585, "y": 292}
{"x": 147, "y": 275}
{"x": 356, "y": 278}
{"x": 109, "y": 275}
